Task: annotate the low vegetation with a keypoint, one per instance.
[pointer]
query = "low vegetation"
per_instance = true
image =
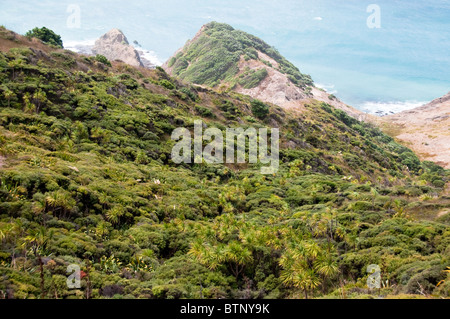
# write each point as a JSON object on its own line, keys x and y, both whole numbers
{"x": 87, "y": 179}
{"x": 214, "y": 56}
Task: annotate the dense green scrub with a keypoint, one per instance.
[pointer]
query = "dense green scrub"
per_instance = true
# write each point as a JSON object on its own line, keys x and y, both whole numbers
{"x": 87, "y": 179}
{"x": 214, "y": 55}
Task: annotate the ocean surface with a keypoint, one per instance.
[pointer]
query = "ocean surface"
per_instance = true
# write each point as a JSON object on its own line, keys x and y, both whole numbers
{"x": 403, "y": 64}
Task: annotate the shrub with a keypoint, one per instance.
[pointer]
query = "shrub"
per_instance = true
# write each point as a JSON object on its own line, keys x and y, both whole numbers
{"x": 259, "y": 109}
{"x": 253, "y": 78}
{"x": 167, "y": 84}
{"x": 193, "y": 96}
{"x": 203, "y": 111}
{"x": 45, "y": 35}
{"x": 425, "y": 281}
{"x": 102, "y": 59}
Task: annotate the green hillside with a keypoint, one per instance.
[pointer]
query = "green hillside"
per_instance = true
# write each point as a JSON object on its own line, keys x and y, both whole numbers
{"x": 213, "y": 56}
{"x": 86, "y": 178}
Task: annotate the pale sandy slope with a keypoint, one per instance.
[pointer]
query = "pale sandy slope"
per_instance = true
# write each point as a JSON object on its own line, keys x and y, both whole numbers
{"x": 276, "y": 88}
{"x": 425, "y": 129}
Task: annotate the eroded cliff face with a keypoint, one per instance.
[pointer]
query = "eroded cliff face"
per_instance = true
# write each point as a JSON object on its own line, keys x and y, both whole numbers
{"x": 114, "y": 46}
{"x": 276, "y": 88}
{"x": 425, "y": 129}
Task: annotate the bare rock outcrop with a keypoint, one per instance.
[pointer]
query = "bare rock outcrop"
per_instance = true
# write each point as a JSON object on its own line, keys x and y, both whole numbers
{"x": 114, "y": 46}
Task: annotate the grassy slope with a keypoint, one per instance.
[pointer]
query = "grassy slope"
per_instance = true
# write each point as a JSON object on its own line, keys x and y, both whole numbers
{"x": 87, "y": 179}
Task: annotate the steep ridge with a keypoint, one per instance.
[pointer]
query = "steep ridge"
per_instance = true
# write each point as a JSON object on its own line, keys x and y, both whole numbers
{"x": 425, "y": 129}
{"x": 222, "y": 57}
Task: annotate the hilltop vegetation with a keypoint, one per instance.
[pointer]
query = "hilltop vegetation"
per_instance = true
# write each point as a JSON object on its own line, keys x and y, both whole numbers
{"x": 45, "y": 35}
{"x": 227, "y": 59}
{"x": 214, "y": 56}
{"x": 87, "y": 179}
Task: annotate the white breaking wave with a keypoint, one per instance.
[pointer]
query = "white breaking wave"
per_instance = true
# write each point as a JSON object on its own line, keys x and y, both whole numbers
{"x": 386, "y": 108}
{"x": 79, "y": 46}
{"x": 329, "y": 88}
{"x": 85, "y": 47}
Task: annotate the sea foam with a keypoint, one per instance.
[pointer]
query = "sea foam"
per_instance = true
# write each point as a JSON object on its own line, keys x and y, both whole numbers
{"x": 387, "y": 108}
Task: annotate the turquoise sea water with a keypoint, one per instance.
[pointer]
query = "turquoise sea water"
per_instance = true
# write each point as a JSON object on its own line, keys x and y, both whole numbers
{"x": 404, "y": 63}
